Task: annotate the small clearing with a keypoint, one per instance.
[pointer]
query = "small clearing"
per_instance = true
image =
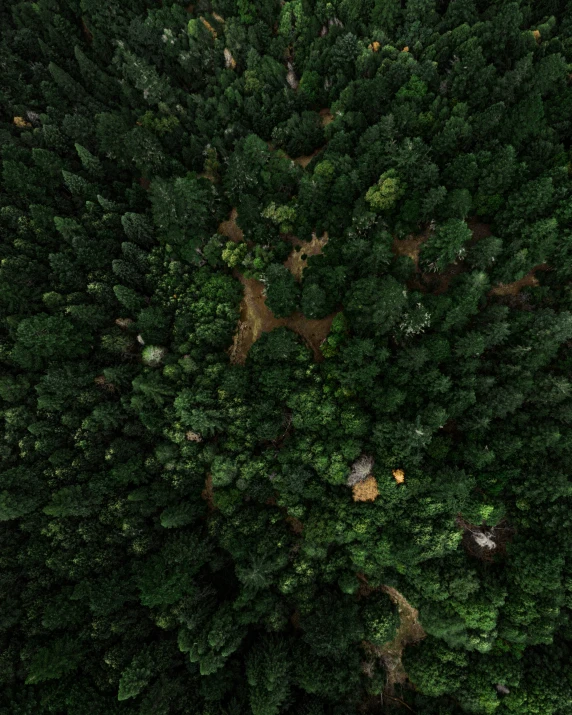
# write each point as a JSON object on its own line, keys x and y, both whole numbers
{"x": 410, "y": 247}
{"x": 298, "y": 259}
{"x": 230, "y": 229}
{"x": 438, "y": 283}
{"x": 409, "y": 632}
{"x": 295, "y": 524}
{"x": 327, "y": 117}
{"x": 303, "y": 161}
{"x": 514, "y": 288}
{"x": 256, "y": 318}
{"x": 208, "y": 494}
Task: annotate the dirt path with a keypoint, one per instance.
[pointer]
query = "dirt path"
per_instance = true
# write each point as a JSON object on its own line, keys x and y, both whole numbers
{"x": 303, "y": 161}
{"x": 255, "y": 316}
{"x": 298, "y": 259}
{"x": 208, "y": 494}
{"x": 327, "y": 116}
{"x": 438, "y": 283}
{"x": 230, "y": 228}
{"x": 514, "y": 288}
{"x": 410, "y": 631}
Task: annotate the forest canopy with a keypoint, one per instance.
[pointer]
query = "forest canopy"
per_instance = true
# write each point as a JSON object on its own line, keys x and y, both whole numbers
{"x": 285, "y": 357}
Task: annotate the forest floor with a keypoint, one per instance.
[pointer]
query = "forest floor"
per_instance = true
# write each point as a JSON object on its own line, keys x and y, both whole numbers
{"x": 438, "y": 283}
{"x": 305, "y": 159}
{"x": 514, "y": 288}
{"x": 255, "y": 316}
{"x": 409, "y": 632}
{"x": 208, "y": 493}
{"x": 298, "y": 259}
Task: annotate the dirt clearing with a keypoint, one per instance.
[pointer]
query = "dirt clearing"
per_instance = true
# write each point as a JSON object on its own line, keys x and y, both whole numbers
{"x": 514, "y": 288}
{"x": 208, "y": 494}
{"x": 410, "y": 631}
{"x": 256, "y": 318}
{"x": 298, "y": 259}
{"x": 327, "y": 117}
{"x": 438, "y": 283}
{"x": 230, "y": 229}
{"x": 303, "y": 161}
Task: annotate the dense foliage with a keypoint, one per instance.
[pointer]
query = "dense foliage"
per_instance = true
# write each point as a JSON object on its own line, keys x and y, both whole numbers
{"x": 177, "y": 532}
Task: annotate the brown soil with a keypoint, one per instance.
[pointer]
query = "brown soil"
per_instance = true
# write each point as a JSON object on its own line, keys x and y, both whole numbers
{"x": 295, "y": 263}
{"x": 295, "y": 524}
{"x": 479, "y": 229}
{"x": 438, "y": 283}
{"x": 327, "y": 117}
{"x": 366, "y": 490}
{"x": 410, "y": 631}
{"x": 230, "y": 229}
{"x": 256, "y": 318}
{"x": 303, "y": 161}
{"x": 410, "y": 247}
{"x": 86, "y": 32}
{"x": 514, "y": 288}
{"x": 208, "y": 493}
